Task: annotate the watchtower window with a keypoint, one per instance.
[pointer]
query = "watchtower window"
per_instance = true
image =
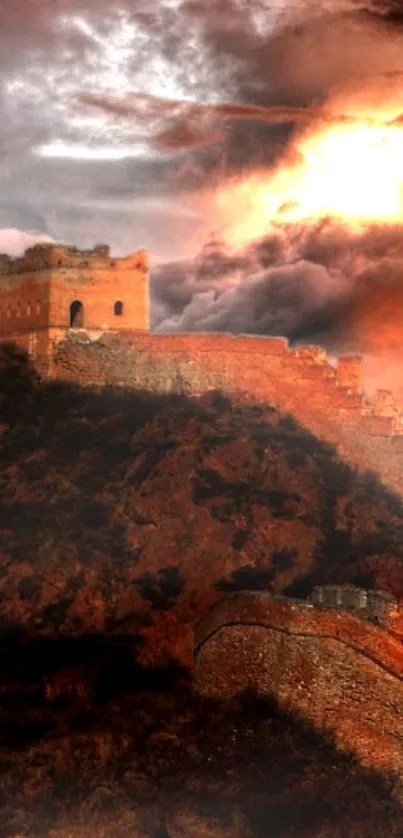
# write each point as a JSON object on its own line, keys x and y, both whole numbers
{"x": 76, "y": 315}
{"x": 118, "y": 308}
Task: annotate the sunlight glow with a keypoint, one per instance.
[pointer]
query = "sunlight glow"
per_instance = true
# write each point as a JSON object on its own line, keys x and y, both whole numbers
{"x": 350, "y": 172}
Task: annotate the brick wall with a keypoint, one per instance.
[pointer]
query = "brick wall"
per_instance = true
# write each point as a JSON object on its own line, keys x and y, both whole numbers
{"x": 38, "y": 289}
{"x": 349, "y": 371}
{"x": 98, "y": 289}
{"x": 343, "y": 674}
{"x": 251, "y": 369}
{"x": 24, "y": 304}
{"x": 371, "y": 605}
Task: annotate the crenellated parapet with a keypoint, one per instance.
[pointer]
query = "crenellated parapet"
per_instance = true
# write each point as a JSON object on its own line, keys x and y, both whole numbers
{"x": 377, "y": 606}
{"x": 50, "y": 256}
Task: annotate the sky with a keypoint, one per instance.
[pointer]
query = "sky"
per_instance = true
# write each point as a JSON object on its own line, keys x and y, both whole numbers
{"x": 233, "y": 140}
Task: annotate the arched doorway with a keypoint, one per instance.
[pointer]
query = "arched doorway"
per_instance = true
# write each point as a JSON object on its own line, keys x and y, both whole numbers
{"x": 76, "y": 315}
{"x": 118, "y": 308}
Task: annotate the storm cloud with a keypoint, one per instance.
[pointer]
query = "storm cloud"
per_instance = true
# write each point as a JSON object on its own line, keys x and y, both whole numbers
{"x": 258, "y": 66}
{"x": 321, "y": 285}
{"x": 116, "y": 120}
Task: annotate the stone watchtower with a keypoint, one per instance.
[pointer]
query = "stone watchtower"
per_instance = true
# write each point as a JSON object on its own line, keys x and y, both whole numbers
{"x": 53, "y": 290}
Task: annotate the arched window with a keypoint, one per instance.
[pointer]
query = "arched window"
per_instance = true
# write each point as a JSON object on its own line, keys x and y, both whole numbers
{"x": 38, "y": 307}
{"x": 29, "y": 309}
{"x": 118, "y": 308}
{"x": 76, "y": 315}
{"x": 18, "y": 310}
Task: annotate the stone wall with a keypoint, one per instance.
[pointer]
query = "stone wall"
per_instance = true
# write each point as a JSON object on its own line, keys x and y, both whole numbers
{"x": 24, "y": 305}
{"x": 195, "y": 363}
{"x": 38, "y": 289}
{"x": 342, "y": 674}
{"x": 327, "y": 399}
{"x": 42, "y": 257}
{"x": 371, "y": 605}
{"x": 300, "y": 382}
{"x": 349, "y": 372}
{"x": 198, "y": 362}
{"x": 37, "y": 344}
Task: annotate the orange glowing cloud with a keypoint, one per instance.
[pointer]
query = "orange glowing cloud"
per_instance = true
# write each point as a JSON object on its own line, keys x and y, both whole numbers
{"x": 351, "y": 171}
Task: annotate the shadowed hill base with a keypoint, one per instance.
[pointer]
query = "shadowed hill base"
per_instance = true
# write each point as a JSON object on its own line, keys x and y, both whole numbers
{"x": 99, "y": 749}
{"x": 122, "y": 517}
{"x": 127, "y": 513}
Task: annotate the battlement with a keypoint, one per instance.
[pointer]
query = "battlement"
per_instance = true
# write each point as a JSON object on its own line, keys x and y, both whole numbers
{"x": 377, "y": 606}
{"x": 49, "y": 256}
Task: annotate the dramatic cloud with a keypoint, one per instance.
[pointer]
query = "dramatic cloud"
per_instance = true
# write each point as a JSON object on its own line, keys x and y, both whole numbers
{"x": 323, "y": 285}
{"x": 248, "y": 71}
{"x": 187, "y": 118}
{"x": 154, "y": 124}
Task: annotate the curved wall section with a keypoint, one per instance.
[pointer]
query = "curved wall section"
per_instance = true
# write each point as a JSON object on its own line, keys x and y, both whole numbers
{"x": 341, "y": 673}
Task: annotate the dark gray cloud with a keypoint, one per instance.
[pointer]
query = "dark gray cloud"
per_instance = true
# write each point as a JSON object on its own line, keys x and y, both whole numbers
{"x": 251, "y": 55}
{"x": 325, "y": 285}
{"x": 114, "y": 119}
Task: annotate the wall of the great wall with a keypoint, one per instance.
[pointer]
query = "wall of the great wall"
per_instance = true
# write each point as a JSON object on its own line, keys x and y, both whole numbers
{"x": 40, "y": 291}
{"x": 334, "y": 669}
{"x": 99, "y": 286}
{"x": 372, "y": 605}
{"x": 24, "y": 304}
{"x": 253, "y": 370}
{"x": 252, "y": 367}
{"x": 196, "y": 363}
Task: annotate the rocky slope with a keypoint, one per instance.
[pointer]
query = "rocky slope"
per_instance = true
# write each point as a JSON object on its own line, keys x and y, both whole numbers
{"x": 149, "y": 760}
{"x": 122, "y": 518}
{"x": 127, "y": 513}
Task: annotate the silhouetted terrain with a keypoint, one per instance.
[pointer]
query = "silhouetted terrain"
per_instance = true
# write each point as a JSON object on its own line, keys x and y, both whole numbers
{"x": 123, "y": 516}
{"x": 142, "y": 757}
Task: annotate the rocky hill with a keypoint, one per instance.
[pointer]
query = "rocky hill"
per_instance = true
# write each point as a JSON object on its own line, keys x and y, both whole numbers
{"x": 131, "y": 513}
{"x": 123, "y": 517}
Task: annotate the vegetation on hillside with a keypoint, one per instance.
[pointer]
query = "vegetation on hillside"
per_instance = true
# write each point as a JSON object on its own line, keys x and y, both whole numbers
{"x": 143, "y": 757}
{"x": 131, "y": 513}
{"x": 123, "y": 516}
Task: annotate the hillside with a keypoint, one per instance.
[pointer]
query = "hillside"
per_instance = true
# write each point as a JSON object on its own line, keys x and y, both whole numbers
{"x": 149, "y": 760}
{"x": 123, "y": 516}
{"x": 131, "y": 513}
